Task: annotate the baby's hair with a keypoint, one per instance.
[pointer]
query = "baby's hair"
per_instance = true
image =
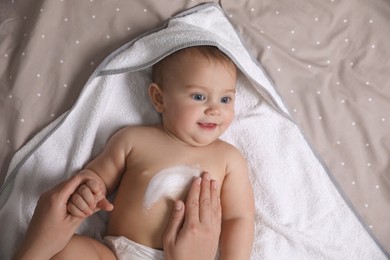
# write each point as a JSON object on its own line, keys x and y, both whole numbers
{"x": 161, "y": 68}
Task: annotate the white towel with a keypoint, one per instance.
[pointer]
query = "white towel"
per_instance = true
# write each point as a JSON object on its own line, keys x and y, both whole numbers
{"x": 299, "y": 212}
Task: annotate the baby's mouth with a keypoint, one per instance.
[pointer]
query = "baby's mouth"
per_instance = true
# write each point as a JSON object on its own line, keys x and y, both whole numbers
{"x": 208, "y": 126}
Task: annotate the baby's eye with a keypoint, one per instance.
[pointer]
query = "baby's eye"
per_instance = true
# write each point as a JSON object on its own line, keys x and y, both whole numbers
{"x": 199, "y": 97}
{"x": 225, "y": 100}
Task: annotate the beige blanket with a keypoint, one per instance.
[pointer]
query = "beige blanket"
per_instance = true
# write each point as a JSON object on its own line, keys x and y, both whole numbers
{"x": 329, "y": 62}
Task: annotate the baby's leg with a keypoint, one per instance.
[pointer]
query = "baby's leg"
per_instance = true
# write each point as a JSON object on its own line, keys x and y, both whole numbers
{"x": 82, "y": 247}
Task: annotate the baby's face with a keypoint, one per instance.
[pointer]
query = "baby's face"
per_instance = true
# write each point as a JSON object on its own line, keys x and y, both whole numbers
{"x": 199, "y": 98}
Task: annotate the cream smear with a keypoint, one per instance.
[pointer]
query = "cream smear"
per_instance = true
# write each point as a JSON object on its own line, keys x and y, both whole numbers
{"x": 170, "y": 183}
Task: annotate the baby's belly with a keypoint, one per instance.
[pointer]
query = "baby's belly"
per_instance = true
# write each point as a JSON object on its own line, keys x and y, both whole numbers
{"x": 142, "y": 205}
{"x": 139, "y": 225}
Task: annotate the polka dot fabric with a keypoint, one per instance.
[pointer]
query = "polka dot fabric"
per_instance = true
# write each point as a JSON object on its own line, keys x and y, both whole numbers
{"x": 329, "y": 61}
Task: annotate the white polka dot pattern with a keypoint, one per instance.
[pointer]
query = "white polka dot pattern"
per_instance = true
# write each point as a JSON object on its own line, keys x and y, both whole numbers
{"x": 328, "y": 59}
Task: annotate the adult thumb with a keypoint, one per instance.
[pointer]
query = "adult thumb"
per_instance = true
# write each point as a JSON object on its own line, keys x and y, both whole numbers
{"x": 175, "y": 223}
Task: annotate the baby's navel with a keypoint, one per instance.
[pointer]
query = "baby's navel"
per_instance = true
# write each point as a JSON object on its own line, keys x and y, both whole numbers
{"x": 170, "y": 183}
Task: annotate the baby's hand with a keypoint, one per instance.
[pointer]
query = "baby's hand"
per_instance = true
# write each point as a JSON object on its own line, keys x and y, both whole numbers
{"x": 88, "y": 199}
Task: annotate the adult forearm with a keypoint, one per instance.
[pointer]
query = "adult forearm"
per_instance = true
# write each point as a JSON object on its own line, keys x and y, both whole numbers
{"x": 35, "y": 252}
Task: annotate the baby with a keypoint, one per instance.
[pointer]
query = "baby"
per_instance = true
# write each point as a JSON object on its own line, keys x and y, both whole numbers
{"x": 151, "y": 166}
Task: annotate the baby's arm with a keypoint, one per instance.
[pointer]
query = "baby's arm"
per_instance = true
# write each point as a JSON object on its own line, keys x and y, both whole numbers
{"x": 237, "y": 211}
{"x": 104, "y": 173}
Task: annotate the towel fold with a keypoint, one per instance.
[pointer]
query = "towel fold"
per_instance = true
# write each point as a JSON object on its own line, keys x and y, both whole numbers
{"x": 299, "y": 211}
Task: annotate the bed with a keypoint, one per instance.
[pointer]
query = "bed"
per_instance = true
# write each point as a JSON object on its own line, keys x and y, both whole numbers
{"x": 328, "y": 61}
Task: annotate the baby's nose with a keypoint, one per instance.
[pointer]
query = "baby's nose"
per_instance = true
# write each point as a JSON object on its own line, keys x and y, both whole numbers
{"x": 213, "y": 110}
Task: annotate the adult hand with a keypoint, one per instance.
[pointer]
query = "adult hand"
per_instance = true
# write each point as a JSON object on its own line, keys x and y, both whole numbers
{"x": 90, "y": 197}
{"x": 51, "y": 226}
{"x": 194, "y": 227}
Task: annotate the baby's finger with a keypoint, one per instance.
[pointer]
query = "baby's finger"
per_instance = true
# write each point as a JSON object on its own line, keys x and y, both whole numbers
{"x": 86, "y": 193}
{"x": 95, "y": 186}
{"x": 105, "y": 205}
{"x": 80, "y": 203}
{"x": 74, "y": 211}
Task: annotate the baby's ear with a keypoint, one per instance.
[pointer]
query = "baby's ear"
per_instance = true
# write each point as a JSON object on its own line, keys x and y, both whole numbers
{"x": 156, "y": 96}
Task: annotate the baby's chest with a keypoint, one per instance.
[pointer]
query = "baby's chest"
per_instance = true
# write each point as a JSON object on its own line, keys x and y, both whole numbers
{"x": 156, "y": 184}
{"x": 192, "y": 163}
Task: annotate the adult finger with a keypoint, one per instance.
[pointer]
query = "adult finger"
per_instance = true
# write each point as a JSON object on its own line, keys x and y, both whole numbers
{"x": 174, "y": 224}
{"x": 65, "y": 189}
{"x": 216, "y": 209}
{"x": 192, "y": 202}
{"x": 59, "y": 196}
{"x": 205, "y": 200}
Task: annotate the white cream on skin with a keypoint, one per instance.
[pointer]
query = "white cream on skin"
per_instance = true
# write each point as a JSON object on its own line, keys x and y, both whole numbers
{"x": 170, "y": 183}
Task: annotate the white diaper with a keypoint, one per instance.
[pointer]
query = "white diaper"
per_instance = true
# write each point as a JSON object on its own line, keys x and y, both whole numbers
{"x": 125, "y": 249}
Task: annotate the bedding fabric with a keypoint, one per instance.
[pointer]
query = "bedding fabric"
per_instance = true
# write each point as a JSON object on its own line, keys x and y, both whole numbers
{"x": 299, "y": 212}
{"x": 329, "y": 61}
